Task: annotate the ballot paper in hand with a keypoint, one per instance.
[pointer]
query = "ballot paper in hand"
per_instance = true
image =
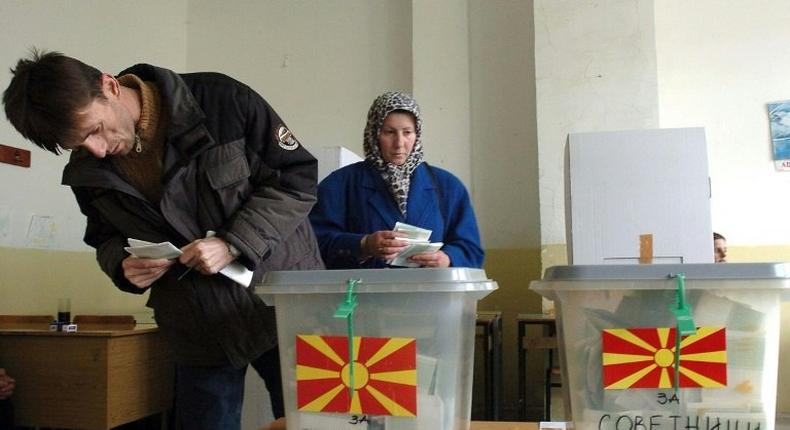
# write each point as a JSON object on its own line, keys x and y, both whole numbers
{"x": 142, "y": 249}
{"x": 418, "y": 244}
{"x": 413, "y": 232}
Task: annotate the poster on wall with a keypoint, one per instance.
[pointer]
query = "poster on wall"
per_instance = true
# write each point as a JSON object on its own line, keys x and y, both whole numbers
{"x": 779, "y": 116}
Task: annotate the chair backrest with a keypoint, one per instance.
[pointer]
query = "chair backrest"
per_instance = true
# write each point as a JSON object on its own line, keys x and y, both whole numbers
{"x": 104, "y": 322}
{"x": 25, "y": 322}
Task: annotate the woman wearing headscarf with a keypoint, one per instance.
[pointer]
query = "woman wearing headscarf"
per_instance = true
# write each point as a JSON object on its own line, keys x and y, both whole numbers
{"x": 358, "y": 205}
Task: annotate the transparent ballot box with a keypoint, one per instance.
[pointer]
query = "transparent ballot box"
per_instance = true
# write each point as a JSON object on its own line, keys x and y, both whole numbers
{"x": 687, "y": 346}
{"x": 410, "y": 333}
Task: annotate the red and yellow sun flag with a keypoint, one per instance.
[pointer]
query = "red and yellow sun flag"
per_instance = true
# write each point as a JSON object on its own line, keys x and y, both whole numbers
{"x": 645, "y": 358}
{"x": 385, "y": 375}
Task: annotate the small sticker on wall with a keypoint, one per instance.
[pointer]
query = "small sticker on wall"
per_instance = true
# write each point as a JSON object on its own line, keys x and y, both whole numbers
{"x": 779, "y": 117}
{"x": 41, "y": 232}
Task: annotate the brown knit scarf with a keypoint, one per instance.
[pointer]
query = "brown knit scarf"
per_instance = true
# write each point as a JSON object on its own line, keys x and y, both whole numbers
{"x": 143, "y": 170}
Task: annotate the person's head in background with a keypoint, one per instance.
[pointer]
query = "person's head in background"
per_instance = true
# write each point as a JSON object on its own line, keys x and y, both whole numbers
{"x": 719, "y": 248}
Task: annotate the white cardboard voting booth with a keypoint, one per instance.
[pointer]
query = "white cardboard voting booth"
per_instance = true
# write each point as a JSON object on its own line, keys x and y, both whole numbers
{"x": 621, "y": 185}
{"x": 331, "y": 158}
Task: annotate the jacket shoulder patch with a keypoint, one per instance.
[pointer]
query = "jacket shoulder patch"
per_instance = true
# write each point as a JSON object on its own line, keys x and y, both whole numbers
{"x": 286, "y": 139}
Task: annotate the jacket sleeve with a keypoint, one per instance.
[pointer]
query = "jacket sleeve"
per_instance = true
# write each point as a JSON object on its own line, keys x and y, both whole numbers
{"x": 284, "y": 184}
{"x": 462, "y": 238}
{"x": 107, "y": 241}
{"x": 338, "y": 240}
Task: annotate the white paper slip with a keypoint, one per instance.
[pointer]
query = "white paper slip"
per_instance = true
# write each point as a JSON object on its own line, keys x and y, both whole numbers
{"x": 556, "y": 425}
{"x": 415, "y": 248}
{"x": 413, "y": 232}
{"x": 138, "y": 242}
{"x": 238, "y": 273}
{"x": 152, "y": 250}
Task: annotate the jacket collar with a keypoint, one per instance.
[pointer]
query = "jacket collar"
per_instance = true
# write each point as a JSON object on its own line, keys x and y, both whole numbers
{"x": 421, "y": 203}
{"x": 186, "y": 131}
{"x": 85, "y": 170}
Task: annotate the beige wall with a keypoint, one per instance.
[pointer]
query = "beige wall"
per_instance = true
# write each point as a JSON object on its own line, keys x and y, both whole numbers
{"x": 590, "y": 75}
{"x": 719, "y": 63}
{"x": 319, "y": 63}
{"x": 33, "y": 279}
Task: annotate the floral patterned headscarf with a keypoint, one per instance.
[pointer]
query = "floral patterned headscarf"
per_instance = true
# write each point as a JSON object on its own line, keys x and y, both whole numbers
{"x": 397, "y": 178}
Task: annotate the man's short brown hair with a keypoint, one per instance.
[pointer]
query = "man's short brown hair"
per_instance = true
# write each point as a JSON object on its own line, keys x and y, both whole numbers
{"x": 45, "y": 93}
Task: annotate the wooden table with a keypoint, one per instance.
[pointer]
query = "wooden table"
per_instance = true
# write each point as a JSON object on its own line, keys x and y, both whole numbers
{"x": 89, "y": 379}
{"x": 475, "y": 425}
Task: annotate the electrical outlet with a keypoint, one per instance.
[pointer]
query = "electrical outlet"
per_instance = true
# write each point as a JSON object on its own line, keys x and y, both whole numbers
{"x": 15, "y": 156}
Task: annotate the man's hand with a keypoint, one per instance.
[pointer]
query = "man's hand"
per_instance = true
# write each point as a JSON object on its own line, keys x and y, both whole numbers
{"x": 431, "y": 259}
{"x": 383, "y": 244}
{"x": 142, "y": 272}
{"x": 7, "y": 384}
{"x": 208, "y": 256}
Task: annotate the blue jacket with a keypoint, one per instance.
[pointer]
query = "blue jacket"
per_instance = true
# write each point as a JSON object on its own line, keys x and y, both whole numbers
{"x": 354, "y": 201}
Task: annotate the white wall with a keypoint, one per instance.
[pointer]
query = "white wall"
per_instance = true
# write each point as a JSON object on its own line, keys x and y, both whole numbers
{"x": 440, "y": 51}
{"x": 109, "y": 35}
{"x": 320, "y": 64}
{"x": 595, "y": 70}
{"x": 719, "y": 63}
{"x": 504, "y": 149}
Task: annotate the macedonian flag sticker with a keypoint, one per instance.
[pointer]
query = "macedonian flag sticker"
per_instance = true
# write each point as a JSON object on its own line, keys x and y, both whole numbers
{"x": 384, "y": 381}
{"x": 645, "y": 358}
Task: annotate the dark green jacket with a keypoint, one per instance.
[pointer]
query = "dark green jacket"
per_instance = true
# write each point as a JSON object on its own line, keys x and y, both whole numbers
{"x": 231, "y": 166}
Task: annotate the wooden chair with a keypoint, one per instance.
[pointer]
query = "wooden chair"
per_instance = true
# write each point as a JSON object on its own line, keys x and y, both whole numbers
{"x": 104, "y": 322}
{"x": 25, "y": 322}
{"x": 551, "y": 371}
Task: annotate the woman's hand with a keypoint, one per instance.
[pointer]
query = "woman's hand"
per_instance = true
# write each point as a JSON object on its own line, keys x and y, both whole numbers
{"x": 384, "y": 244}
{"x": 431, "y": 259}
{"x": 208, "y": 256}
{"x": 142, "y": 272}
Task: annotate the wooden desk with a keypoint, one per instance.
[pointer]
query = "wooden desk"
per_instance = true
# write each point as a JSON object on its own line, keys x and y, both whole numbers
{"x": 88, "y": 379}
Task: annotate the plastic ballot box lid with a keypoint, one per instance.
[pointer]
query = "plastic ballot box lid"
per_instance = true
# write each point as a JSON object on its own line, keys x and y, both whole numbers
{"x": 375, "y": 280}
